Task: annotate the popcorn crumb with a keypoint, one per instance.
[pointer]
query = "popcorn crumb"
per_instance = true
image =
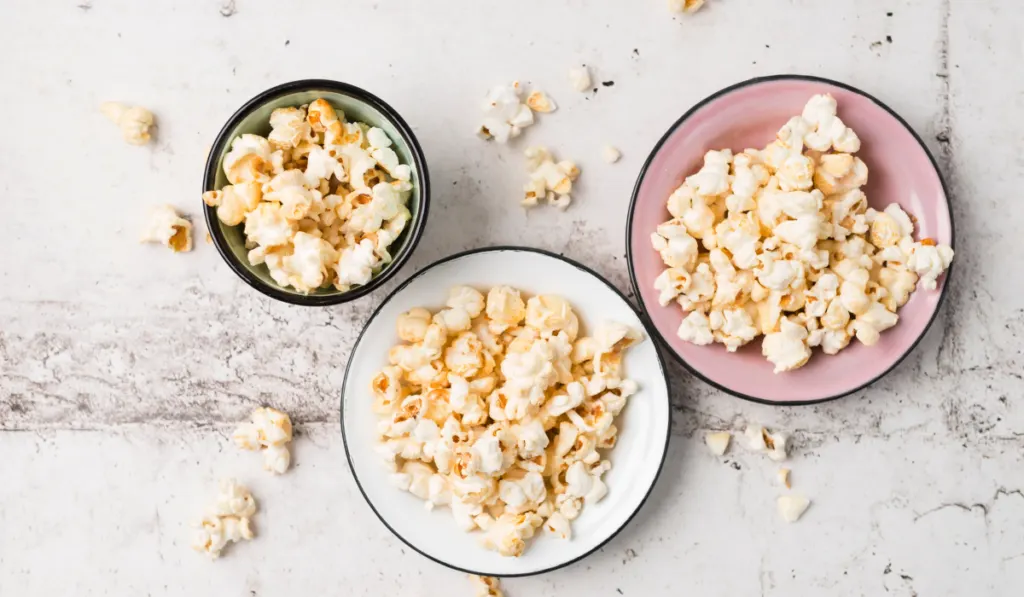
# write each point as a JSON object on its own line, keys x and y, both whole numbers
{"x": 792, "y": 507}
{"x": 540, "y": 102}
{"x": 761, "y": 440}
{"x": 687, "y": 6}
{"x": 134, "y": 121}
{"x": 783, "y": 476}
{"x": 579, "y": 78}
{"x": 486, "y": 586}
{"x": 610, "y": 154}
{"x": 166, "y": 227}
{"x": 209, "y": 239}
{"x": 718, "y": 442}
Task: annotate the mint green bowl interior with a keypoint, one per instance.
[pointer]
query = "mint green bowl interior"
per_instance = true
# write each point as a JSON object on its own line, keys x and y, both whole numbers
{"x": 257, "y": 122}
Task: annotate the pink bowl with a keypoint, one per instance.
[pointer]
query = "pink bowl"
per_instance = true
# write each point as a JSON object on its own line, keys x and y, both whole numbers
{"x": 748, "y": 115}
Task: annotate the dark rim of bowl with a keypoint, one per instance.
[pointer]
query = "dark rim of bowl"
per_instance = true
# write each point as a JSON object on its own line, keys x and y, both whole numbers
{"x": 643, "y": 174}
{"x": 415, "y": 231}
{"x": 643, "y": 322}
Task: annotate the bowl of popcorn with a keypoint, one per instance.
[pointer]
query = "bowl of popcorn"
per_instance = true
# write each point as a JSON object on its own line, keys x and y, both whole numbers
{"x": 315, "y": 192}
{"x": 789, "y": 239}
{"x": 505, "y": 412}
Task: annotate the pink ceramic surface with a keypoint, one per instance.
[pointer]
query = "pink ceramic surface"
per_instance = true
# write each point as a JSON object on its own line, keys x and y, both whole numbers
{"x": 748, "y": 115}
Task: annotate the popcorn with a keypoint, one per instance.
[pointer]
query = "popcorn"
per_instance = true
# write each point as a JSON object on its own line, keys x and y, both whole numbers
{"x": 792, "y": 507}
{"x": 780, "y": 242}
{"x": 505, "y": 116}
{"x": 687, "y": 6}
{"x": 166, "y": 227}
{"x": 549, "y": 180}
{"x": 268, "y": 430}
{"x": 494, "y": 407}
{"x": 787, "y": 349}
{"x": 929, "y": 260}
{"x": 760, "y": 440}
{"x": 322, "y": 199}
{"x": 134, "y": 121}
{"x": 228, "y": 522}
{"x": 579, "y": 78}
{"x": 696, "y": 328}
{"x": 486, "y": 586}
{"x": 718, "y": 442}
{"x": 610, "y": 154}
{"x": 538, "y": 101}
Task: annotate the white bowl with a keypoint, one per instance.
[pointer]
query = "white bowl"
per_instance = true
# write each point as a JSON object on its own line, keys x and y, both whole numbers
{"x": 643, "y": 426}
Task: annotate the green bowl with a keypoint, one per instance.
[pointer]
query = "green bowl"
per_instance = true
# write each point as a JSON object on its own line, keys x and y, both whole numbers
{"x": 357, "y": 104}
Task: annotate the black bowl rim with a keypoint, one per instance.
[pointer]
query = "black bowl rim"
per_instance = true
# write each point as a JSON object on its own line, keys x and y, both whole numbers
{"x": 643, "y": 322}
{"x": 657, "y": 148}
{"x": 418, "y": 224}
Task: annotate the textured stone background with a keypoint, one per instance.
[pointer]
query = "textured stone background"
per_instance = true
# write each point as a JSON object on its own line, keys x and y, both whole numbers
{"x": 123, "y": 367}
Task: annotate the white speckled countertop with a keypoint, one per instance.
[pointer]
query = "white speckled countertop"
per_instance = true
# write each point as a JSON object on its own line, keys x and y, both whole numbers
{"x": 124, "y": 367}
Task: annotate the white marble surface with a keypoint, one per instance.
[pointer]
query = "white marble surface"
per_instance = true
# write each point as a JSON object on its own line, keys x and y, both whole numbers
{"x": 123, "y": 367}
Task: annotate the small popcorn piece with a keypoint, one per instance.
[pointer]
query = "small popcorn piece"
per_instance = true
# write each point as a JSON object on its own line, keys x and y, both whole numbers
{"x": 760, "y": 439}
{"x": 134, "y": 121}
{"x": 486, "y": 586}
{"x": 540, "y": 102}
{"x": 718, "y": 442}
{"x": 166, "y": 227}
{"x": 687, "y": 6}
{"x": 610, "y": 154}
{"x": 270, "y": 431}
{"x": 276, "y": 459}
{"x": 228, "y": 522}
{"x": 783, "y": 476}
{"x": 792, "y": 507}
{"x": 579, "y": 78}
{"x": 549, "y": 180}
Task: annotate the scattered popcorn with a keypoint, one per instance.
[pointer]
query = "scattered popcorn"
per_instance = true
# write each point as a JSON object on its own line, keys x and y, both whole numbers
{"x": 718, "y": 442}
{"x": 134, "y": 121}
{"x": 549, "y": 180}
{"x": 486, "y": 586}
{"x": 166, "y": 227}
{"x": 579, "y": 78}
{"x": 268, "y": 430}
{"x": 760, "y": 440}
{"x": 538, "y": 101}
{"x": 783, "y": 477}
{"x": 687, "y": 6}
{"x": 610, "y": 154}
{"x": 781, "y": 243}
{"x": 792, "y": 507}
{"x": 322, "y": 199}
{"x": 228, "y": 522}
{"x": 498, "y": 408}
{"x": 505, "y": 115}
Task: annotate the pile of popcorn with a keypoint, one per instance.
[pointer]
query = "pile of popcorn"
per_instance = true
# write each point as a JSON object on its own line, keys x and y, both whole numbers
{"x": 269, "y": 431}
{"x": 322, "y": 199}
{"x": 781, "y": 242}
{"x": 229, "y": 520}
{"x": 497, "y": 408}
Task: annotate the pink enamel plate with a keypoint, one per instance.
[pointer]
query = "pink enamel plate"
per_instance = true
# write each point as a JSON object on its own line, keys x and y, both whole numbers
{"x": 748, "y": 115}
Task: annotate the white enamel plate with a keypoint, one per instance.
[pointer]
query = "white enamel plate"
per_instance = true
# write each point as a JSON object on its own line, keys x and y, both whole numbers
{"x": 643, "y": 425}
